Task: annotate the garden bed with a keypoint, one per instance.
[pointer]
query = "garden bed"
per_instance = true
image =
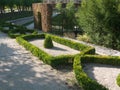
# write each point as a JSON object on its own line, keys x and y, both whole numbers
{"x": 46, "y": 57}
{"x": 91, "y": 84}
{"x": 103, "y": 74}
{"x": 57, "y": 50}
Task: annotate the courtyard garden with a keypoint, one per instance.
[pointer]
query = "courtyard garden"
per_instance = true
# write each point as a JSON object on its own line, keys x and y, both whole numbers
{"x": 32, "y": 59}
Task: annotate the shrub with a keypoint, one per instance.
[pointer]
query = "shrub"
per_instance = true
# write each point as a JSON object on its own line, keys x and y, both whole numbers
{"x": 48, "y": 42}
{"x": 45, "y": 57}
{"x": 110, "y": 60}
{"x": 101, "y": 17}
{"x": 15, "y": 30}
{"x": 70, "y": 43}
{"x": 42, "y": 55}
{"x": 83, "y": 79}
{"x": 83, "y": 38}
{"x": 118, "y": 80}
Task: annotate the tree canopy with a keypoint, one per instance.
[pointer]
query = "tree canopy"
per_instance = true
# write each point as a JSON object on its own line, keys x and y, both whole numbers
{"x": 100, "y": 19}
{"x": 21, "y": 5}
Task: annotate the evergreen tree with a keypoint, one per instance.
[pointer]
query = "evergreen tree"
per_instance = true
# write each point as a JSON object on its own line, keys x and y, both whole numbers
{"x": 100, "y": 20}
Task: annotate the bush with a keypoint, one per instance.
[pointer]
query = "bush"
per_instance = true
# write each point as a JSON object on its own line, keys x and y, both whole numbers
{"x": 110, "y": 60}
{"x": 45, "y": 57}
{"x": 71, "y": 44}
{"x": 48, "y": 42}
{"x": 81, "y": 76}
{"x": 15, "y": 30}
{"x": 83, "y": 79}
{"x": 118, "y": 80}
{"x": 101, "y": 17}
{"x": 83, "y": 38}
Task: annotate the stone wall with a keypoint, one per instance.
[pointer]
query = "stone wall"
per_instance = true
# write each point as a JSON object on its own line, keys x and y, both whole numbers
{"x": 42, "y": 16}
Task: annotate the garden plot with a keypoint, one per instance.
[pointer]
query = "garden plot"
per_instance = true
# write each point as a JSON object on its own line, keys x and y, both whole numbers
{"x": 57, "y": 50}
{"x": 103, "y": 74}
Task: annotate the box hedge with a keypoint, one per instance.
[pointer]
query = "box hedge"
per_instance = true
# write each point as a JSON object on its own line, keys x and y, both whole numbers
{"x": 83, "y": 80}
{"x": 15, "y": 30}
{"x": 48, "y": 42}
{"x": 51, "y": 60}
{"x": 110, "y": 60}
{"x": 118, "y": 80}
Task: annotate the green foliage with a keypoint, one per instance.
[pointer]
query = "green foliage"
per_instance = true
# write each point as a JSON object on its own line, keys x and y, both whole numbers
{"x": 48, "y": 42}
{"x": 69, "y": 43}
{"x": 110, "y": 60}
{"x": 11, "y": 16}
{"x": 15, "y": 30}
{"x": 100, "y": 20}
{"x": 45, "y": 57}
{"x": 83, "y": 80}
{"x": 83, "y": 37}
{"x": 70, "y": 19}
{"x": 118, "y": 80}
{"x": 81, "y": 76}
{"x": 59, "y": 7}
{"x": 21, "y": 5}
{"x": 67, "y": 16}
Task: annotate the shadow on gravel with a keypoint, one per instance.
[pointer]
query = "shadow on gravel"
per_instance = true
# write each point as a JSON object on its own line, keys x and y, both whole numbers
{"x": 65, "y": 68}
{"x": 5, "y": 50}
{"x": 58, "y": 48}
{"x": 89, "y": 69}
{"x": 20, "y": 72}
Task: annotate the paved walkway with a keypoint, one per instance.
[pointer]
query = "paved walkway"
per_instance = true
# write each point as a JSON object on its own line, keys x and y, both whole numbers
{"x": 20, "y": 70}
{"x": 22, "y": 21}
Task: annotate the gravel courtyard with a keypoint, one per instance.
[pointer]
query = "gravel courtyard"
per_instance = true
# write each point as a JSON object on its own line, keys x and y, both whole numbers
{"x": 20, "y": 70}
{"x": 57, "y": 50}
{"x": 104, "y": 74}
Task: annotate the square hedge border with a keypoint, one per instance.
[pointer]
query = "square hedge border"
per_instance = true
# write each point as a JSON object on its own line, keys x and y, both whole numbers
{"x": 49, "y": 59}
{"x": 14, "y": 29}
{"x": 82, "y": 78}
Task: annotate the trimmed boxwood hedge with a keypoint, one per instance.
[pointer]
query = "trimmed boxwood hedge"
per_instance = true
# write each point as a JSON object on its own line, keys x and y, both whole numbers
{"x": 15, "y": 30}
{"x": 48, "y": 42}
{"x": 118, "y": 80}
{"x": 51, "y": 60}
{"x": 72, "y": 44}
{"x": 83, "y": 80}
{"x": 110, "y": 60}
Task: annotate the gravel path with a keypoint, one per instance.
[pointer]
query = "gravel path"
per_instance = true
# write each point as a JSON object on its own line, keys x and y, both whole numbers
{"x": 22, "y": 21}
{"x": 100, "y": 49}
{"x": 57, "y": 50}
{"x": 104, "y": 74}
{"x": 31, "y": 26}
{"x": 20, "y": 70}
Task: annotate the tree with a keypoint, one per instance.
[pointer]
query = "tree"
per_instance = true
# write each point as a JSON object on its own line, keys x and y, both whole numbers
{"x": 10, "y": 4}
{"x": 100, "y": 20}
{"x": 2, "y": 6}
{"x": 70, "y": 15}
{"x": 67, "y": 15}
